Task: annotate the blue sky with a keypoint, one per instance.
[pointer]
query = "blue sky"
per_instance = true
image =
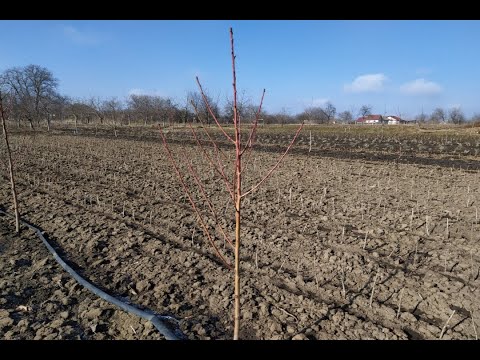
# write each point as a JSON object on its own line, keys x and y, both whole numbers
{"x": 396, "y": 66}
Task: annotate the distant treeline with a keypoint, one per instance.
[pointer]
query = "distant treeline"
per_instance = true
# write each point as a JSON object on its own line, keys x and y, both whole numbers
{"x": 33, "y": 98}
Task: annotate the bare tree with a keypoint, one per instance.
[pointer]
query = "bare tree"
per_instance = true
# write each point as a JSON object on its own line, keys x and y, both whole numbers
{"x": 345, "y": 116}
{"x": 164, "y": 109}
{"x": 329, "y": 110}
{"x": 33, "y": 87}
{"x": 245, "y": 108}
{"x": 365, "y": 110}
{"x": 456, "y": 116}
{"x": 197, "y": 105}
{"x": 81, "y": 110}
{"x": 152, "y": 108}
{"x": 438, "y": 115}
{"x": 112, "y": 108}
{"x": 314, "y": 113}
{"x": 282, "y": 117}
{"x": 97, "y": 105}
{"x": 233, "y": 182}
{"x": 184, "y": 114}
{"x": 55, "y": 107}
{"x": 421, "y": 118}
{"x": 141, "y": 107}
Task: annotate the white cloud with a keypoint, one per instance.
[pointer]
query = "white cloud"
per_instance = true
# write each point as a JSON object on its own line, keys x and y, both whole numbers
{"x": 83, "y": 37}
{"x": 137, "y": 91}
{"x": 367, "y": 83}
{"x": 421, "y": 87}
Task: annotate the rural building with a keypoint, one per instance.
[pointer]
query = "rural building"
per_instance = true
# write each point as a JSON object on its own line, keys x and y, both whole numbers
{"x": 393, "y": 120}
{"x": 371, "y": 119}
{"x": 379, "y": 119}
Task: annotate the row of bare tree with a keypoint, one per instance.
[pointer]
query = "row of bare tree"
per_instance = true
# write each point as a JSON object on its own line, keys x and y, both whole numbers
{"x": 34, "y": 98}
{"x": 328, "y": 114}
{"x": 439, "y": 116}
{"x": 32, "y": 93}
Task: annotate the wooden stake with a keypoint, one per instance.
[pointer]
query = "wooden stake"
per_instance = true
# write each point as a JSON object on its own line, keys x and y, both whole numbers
{"x": 10, "y": 166}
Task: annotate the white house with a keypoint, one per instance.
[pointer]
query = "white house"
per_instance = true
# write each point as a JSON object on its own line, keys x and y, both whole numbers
{"x": 393, "y": 120}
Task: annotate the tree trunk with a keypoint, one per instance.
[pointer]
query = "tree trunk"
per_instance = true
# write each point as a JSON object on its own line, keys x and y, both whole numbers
{"x": 238, "y": 200}
{"x": 76, "y": 120}
{"x": 114, "y": 127}
{"x": 237, "y": 258}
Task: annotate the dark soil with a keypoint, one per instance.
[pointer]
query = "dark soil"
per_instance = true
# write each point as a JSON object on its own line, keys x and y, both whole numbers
{"x": 114, "y": 210}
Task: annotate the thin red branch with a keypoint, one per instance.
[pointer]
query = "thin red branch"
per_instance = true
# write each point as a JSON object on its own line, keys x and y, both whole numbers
{"x": 248, "y": 148}
{"x": 246, "y": 162}
{"x": 249, "y": 143}
{"x": 185, "y": 188}
{"x": 276, "y": 165}
{"x": 236, "y": 118}
{"x": 238, "y": 198}
{"x": 211, "y": 112}
{"x": 222, "y": 166}
{"x": 217, "y": 148}
{"x": 210, "y": 205}
{"x": 228, "y": 185}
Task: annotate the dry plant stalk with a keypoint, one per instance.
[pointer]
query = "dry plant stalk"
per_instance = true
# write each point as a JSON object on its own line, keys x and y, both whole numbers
{"x": 447, "y": 233}
{"x": 342, "y": 278}
{"x": 400, "y": 302}
{"x": 446, "y": 324}
{"x": 4, "y": 116}
{"x": 233, "y": 183}
{"x": 373, "y": 290}
{"x": 473, "y": 324}
{"x": 365, "y": 241}
{"x": 310, "y": 142}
